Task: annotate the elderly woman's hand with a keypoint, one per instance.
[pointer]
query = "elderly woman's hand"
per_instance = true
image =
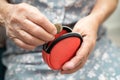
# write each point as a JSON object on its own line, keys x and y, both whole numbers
{"x": 27, "y": 26}
{"x": 88, "y": 28}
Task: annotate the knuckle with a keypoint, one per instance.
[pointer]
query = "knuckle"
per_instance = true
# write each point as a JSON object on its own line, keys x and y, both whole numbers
{"x": 10, "y": 34}
{"x": 35, "y": 30}
{"x": 14, "y": 18}
{"x": 31, "y": 41}
{"x": 28, "y": 39}
{"x": 23, "y": 4}
{"x": 9, "y": 30}
{"x": 20, "y": 6}
{"x": 52, "y": 29}
{"x": 41, "y": 19}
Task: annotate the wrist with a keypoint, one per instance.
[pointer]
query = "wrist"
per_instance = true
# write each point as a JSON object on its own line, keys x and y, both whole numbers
{"x": 4, "y": 8}
{"x": 96, "y": 18}
{"x": 94, "y": 22}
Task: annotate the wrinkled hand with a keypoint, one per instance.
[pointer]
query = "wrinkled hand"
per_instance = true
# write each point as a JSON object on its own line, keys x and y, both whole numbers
{"x": 27, "y": 26}
{"x": 87, "y": 27}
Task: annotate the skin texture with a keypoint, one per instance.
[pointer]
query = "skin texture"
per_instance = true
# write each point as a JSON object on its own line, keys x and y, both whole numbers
{"x": 28, "y": 31}
{"x": 88, "y": 27}
{"x": 28, "y": 28}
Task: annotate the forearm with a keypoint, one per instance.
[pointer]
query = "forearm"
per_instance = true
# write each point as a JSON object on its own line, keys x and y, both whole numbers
{"x": 103, "y": 9}
{"x": 3, "y": 7}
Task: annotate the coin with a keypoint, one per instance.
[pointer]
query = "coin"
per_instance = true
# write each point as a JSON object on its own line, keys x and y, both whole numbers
{"x": 58, "y": 27}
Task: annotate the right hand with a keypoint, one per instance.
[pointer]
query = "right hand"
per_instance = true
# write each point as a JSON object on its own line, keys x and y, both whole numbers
{"x": 27, "y": 26}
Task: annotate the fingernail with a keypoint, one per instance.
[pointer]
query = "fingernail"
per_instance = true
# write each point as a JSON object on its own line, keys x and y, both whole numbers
{"x": 54, "y": 32}
{"x": 53, "y": 37}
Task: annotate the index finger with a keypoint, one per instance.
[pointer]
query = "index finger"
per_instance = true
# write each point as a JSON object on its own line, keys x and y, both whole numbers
{"x": 42, "y": 21}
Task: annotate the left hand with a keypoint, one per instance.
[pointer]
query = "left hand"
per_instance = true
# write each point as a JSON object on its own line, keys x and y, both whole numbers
{"x": 87, "y": 27}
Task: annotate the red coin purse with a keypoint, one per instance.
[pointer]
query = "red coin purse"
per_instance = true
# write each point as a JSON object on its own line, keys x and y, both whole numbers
{"x": 55, "y": 53}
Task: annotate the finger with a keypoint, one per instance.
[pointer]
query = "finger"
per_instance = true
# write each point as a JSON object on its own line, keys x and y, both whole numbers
{"x": 42, "y": 21}
{"x": 22, "y": 44}
{"x": 9, "y": 33}
{"x": 80, "y": 55}
{"x": 75, "y": 69}
{"x": 29, "y": 39}
{"x": 24, "y": 36}
{"x": 36, "y": 30}
{"x": 13, "y": 35}
{"x": 72, "y": 63}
